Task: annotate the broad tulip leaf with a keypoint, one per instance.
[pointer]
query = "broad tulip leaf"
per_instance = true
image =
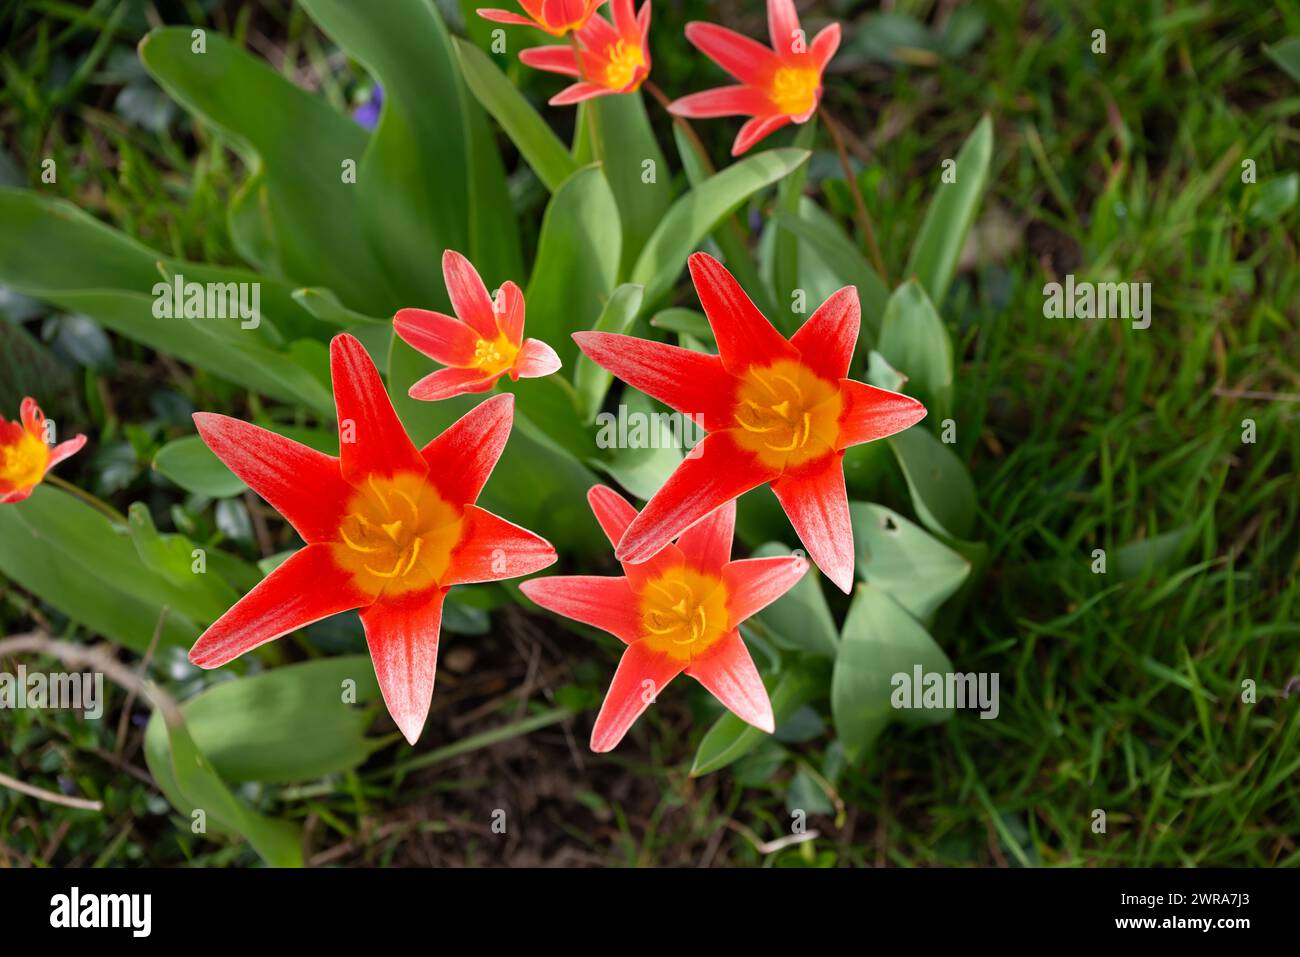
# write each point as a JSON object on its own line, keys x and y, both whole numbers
{"x": 730, "y": 739}
{"x": 643, "y": 443}
{"x": 941, "y": 488}
{"x": 915, "y": 342}
{"x": 589, "y": 380}
{"x": 1286, "y": 54}
{"x": 173, "y": 559}
{"x": 685, "y": 322}
{"x": 902, "y": 560}
{"x": 839, "y": 254}
{"x": 800, "y": 619}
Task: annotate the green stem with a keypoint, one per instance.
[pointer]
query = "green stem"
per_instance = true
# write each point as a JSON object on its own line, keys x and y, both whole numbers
{"x": 96, "y": 503}
{"x": 589, "y": 106}
{"x": 863, "y": 217}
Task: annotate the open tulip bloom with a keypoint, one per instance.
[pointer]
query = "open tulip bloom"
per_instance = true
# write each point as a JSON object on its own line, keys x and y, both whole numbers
{"x": 556, "y": 17}
{"x": 777, "y": 86}
{"x": 484, "y": 341}
{"x": 611, "y": 58}
{"x": 25, "y": 456}
{"x": 678, "y": 611}
{"x": 389, "y": 529}
{"x": 776, "y": 411}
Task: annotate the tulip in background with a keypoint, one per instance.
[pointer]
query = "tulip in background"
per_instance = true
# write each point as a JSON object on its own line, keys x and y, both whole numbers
{"x": 556, "y": 17}
{"x": 25, "y": 456}
{"x": 610, "y": 58}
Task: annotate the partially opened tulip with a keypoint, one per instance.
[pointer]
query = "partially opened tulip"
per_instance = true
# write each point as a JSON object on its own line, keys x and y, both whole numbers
{"x": 481, "y": 343}
{"x": 777, "y": 412}
{"x": 389, "y": 529}
{"x": 25, "y": 453}
{"x": 678, "y": 612}
{"x": 611, "y": 58}
{"x": 556, "y": 17}
{"x": 777, "y": 86}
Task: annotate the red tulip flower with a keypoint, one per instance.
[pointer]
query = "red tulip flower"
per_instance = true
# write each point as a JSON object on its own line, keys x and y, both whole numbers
{"x": 25, "y": 456}
{"x": 389, "y": 529}
{"x": 611, "y": 58}
{"x": 482, "y": 343}
{"x": 777, "y": 412}
{"x": 777, "y": 86}
{"x": 556, "y": 17}
{"x": 677, "y": 612}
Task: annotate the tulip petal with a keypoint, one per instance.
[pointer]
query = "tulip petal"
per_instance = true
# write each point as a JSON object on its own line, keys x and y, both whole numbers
{"x": 492, "y": 549}
{"x": 371, "y": 437}
{"x": 755, "y": 583}
{"x": 826, "y": 339}
{"x": 563, "y": 13}
{"x": 870, "y": 413}
{"x": 505, "y": 16}
{"x": 759, "y": 128}
{"x": 578, "y": 93}
{"x": 691, "y": 382}
{"x": 817, "y": 504}
{"x": 555, "y": 59}
{"x": 469, "y": 297}
{"x": 744, "y": 335}
{"x": 707, "y": 544}
{"x": 612, "y": 511}
{"x": 642, "y": 674}
{"x": 716, "y": 472}
{"x": 722, "y": 101}
{"x": 728, "y": 671}
{"x": 461, "y": 459}
{"x": 303, "y": 485}
{"x": 824, "y": 45}
{"x": 782, "y": 26}
{"x": 509, "y": 308}
{"x": 605, "y": 603}
{"x": 535, "y": 359}
{"x": 403, "y": 639}
{"x": 446, "y": 383}
{"x": 440, "y": 337}
{"x": 747, "y": 60}
{"x": 65, "y": 450}
{"x": 305, "y": 588}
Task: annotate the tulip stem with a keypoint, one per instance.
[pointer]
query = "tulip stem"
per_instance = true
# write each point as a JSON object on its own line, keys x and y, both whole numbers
{"x": 863, "y": 217}
{"x": 589, "y": 107}
{"x": 96, "y": 503}
{"x": 683, "y": 124}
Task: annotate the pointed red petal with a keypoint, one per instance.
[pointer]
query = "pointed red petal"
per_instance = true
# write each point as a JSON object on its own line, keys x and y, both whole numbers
{"x": 65, "y": 450}
{"x": 755, "y": 583}
{"x": 305, "y": 588}
{"x": 612, "y": 511}
{"x": 744, "y": 335}
{"x": 371, "y": 437}
{"x": 818, "y": 506}
{"x": 604, "y": 603}
{"x": 492, "y": 549}
{"x": 578, "y": 93}
{"x": 642, "y": 674}
{"x": 553, "y": 59}
{"x": 440, "y": 337}
{"x": 461, "y": 459}
{"x": 759, "y": 128}
{"x": 505, "y": 16}
{"x": 722, "y": 101}
{"x": 870, "y": 413}
{"x": 824, "y": 45}
{"x": 717, "y": 471}
{"x": 706, "y": 545}
{"x": 509, "y": 308}
{"x": 690, "y": 382}
{"x": 446, "y": 383}
{"x": 403, "y": 639}
{"x": 469, "y": 297}
{"x": 728, "y": 671}
{"x": 782, "y": 26}
{"x": 535, "y": 359}
{"x": 303, "y": 485}
{"x": 747, "y": 60}
{"x": 827, "y": 338}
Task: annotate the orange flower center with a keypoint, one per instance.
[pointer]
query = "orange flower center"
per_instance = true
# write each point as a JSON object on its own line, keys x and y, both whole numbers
{"x": 794, "y": 89}
{"x": 786, "y": 414}
{"x": 495, "y": 356}
{"x": 23, "y": 460}
{"x": 398, "y": 535}
{"x": 683, "y": 612}
{"x": 624, "y": 59}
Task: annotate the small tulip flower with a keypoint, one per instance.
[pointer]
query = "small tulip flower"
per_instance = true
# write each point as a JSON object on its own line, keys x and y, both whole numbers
{"x": 678, "y": 612}
{"x": 389, "y": 530}
{"x": 483, "y": 342}
{"x": 556, "y": 17}
{"x": 777, "y": 86}
{"x": 776, "y": 412}
{"x": 611, "y": 58}
{"x": 25, "y": 455}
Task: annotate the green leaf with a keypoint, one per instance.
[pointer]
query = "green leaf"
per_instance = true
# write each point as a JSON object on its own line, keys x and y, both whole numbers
{"x": 799, "y": 620}
{"x": 730, "y": 739}
{"x": 951, "y": 214}
{"x": 917, "y": 571}
{"x": 1286, "y": 54}
{"x": 698, "y": 213}
{"x": 915, "y": 342}
{"x": 539, "y": 146}
{"x": 191, "y": 464}
{"x": 590, "y": 380}
{"x": 643, "y": 467}
{"x": 880, "y": 640}
{"x": 1143, "y": 558}
{"x": 785, "y": 257}
{"x": 941, "y": 488}
{"x": 839, "y": 253}
{"x": 173, "y": 559}
{"x": 325, "y": 306}
{"x": 882, "y": 375}
{"x": 684, "y": 322}
{"x": 1274, "y": 198}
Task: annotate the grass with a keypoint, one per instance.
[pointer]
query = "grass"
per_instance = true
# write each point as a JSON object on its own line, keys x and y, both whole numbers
{"x": 1121, "y": 692}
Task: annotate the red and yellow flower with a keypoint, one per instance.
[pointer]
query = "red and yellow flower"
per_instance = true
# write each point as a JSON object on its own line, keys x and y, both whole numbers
{"x": 777, "y": 86}
{"x": 680, "y": 611}
{"x": 25, "y": 455}
{"x": 482, "y": 342}
{"x": 389, "y": 530}
{"x": 611, "y": 58}
{"x": 777, "y": 412}
{"x": 556, "y": 17}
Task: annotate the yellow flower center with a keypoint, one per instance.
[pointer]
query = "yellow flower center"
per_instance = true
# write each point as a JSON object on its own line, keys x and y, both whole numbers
{"x": 624, "y": 60}
{"x": 397, "y": 536}
{"x": 23, "y": 463}
{"x": 786, "y": 414}
{"x": 794, "y": 90}
{"x": 494, "y": 356}
{"x": 683, "y": 612}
